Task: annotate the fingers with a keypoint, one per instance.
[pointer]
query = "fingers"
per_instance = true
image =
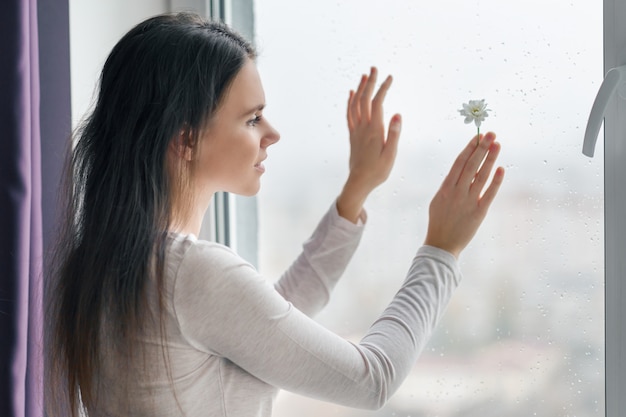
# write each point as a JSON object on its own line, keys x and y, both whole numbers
{"x": 492, "y": 190}
{"x": 471, "y": 166}
{"x": 361, "y": 107}
{"x": 355, "y": 101}
{"x": 393, "y": 136}
{"x": 465, "y": 166}
{"x": 483, "y": 174}
{"x": 474, "y": 161}
{"x": 366, "y": 97}
{"x": 459, "y": 164}
{"x": 457, "y": 210}
{"x": 349, "y": 112}
{"x": 379, "y": 98}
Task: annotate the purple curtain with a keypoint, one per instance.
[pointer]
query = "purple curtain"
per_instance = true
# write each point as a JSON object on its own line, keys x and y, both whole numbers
{"x": 22, "y": 221}
{"x": 21, "y": 244}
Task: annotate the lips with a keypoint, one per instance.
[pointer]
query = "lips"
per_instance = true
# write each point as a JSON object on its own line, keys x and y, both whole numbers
{"x": 259, "y": 165}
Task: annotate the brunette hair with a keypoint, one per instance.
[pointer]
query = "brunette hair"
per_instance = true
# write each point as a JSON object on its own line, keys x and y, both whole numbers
{"x": 165, "y": 78}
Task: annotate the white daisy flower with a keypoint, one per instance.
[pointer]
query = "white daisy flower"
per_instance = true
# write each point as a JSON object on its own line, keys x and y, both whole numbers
{"x": 476, "y": 111}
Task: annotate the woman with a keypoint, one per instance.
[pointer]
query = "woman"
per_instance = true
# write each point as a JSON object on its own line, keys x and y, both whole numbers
{"x": 148, "y": 320}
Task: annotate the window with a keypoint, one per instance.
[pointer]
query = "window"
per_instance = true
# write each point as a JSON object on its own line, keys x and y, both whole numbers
{"x": 524, "y": 334}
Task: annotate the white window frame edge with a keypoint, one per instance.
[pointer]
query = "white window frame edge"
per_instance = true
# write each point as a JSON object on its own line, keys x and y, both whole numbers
{"x": 614, "y": 216}
{"x": 243, "y": 211}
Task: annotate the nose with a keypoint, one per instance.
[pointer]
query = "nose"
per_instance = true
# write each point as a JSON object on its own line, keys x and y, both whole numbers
{"x": 271, "y": 136}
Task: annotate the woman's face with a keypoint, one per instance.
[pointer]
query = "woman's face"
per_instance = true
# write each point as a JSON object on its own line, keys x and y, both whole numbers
{"x": 234, "y": 143}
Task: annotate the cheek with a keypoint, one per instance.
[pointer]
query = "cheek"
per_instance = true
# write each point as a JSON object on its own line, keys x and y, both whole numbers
{"x": 208, "y": 166}
{"x": 223, "y": 164}
{"x": 244, "y": 148}
{"x": 228, "y": 156}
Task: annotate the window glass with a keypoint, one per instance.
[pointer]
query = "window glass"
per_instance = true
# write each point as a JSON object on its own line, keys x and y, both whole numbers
{"x": 524, "y": 333}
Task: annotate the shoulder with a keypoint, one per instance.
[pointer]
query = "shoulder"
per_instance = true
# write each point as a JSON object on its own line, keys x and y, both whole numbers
{"x": 189, "y": 253}
{"x": 209, "y": 284}
{"x": 198, "y": 269}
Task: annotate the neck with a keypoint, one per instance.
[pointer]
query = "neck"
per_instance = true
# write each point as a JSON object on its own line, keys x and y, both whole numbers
{"x": 190, "y": 220}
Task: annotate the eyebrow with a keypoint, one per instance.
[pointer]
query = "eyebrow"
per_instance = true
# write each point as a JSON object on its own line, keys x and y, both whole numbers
{"x": 254, "y": 109}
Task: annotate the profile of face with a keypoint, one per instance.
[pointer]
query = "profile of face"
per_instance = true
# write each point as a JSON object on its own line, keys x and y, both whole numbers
{"x": 234, "y": 143}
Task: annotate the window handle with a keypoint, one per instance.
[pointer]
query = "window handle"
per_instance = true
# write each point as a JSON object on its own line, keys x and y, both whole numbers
{"x": 615, "y": 80}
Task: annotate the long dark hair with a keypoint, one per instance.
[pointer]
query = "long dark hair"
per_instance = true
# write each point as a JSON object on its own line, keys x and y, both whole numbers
{"x": 163, "y": 79}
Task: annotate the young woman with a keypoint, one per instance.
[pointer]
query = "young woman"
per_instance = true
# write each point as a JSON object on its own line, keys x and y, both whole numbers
{"x": 148, "y": 320}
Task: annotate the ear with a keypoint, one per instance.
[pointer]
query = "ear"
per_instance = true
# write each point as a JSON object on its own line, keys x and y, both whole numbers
{"x": 182, "y": 144}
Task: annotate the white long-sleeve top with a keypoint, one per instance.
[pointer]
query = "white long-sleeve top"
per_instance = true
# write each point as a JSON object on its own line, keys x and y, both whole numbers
{"x": 233, "y": 339}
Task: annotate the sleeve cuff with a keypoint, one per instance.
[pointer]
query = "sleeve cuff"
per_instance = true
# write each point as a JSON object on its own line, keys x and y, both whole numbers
{"x": 345, "y": 223}
{"x": 439, "y": 254}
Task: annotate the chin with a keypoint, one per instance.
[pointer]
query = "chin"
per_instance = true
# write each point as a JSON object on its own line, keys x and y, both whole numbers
{"x": 248, "y": 192}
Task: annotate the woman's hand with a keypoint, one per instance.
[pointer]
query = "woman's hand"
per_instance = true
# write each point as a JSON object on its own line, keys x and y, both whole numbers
{"x": 372, "y": 149}
{"x": 458, "y": 208}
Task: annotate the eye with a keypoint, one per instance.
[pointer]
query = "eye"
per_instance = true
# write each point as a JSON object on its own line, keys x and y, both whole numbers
{"x": 255, "y": 121}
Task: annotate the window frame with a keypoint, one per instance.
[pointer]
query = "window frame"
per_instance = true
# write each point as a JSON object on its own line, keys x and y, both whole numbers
{"x": 615, "y": 227}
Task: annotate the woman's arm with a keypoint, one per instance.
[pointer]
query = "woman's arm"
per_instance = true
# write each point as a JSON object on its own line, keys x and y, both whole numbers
{"x": 223, "y": 306}
{"x": 308, "y": 282}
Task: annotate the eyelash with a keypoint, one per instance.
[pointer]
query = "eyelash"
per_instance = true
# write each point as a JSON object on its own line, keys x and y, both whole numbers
{"x": 255, "y": 121}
